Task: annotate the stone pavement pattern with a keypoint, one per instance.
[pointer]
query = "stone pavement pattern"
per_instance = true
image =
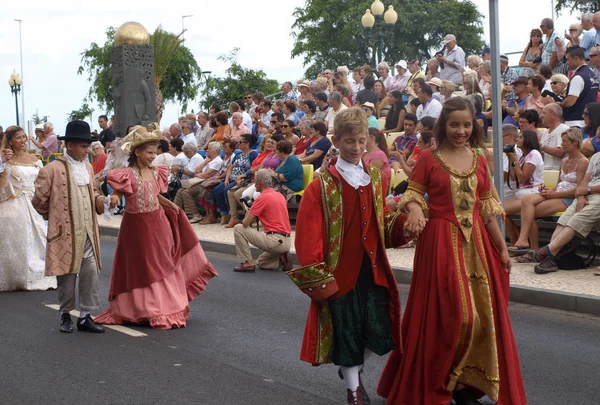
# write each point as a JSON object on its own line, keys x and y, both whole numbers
{"x": 574, "y": 282}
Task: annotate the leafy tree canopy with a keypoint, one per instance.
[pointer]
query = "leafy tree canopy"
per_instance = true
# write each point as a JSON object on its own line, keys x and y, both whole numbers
{"x": 329, "y": 33}
{"x": 82, "y": 114}
{"x": 223, "y": 90}
{"x": 578, "y": 5}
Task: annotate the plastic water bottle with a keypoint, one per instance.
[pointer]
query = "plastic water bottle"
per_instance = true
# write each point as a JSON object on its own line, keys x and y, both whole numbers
{"x": 108, "y": 214}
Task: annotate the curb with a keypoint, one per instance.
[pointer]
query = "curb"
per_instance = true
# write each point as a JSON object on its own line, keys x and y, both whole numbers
{"x": 581, "y": 303}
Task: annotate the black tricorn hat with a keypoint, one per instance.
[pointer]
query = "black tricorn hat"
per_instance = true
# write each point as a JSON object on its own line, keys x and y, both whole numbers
{"x": 77, "y": 131}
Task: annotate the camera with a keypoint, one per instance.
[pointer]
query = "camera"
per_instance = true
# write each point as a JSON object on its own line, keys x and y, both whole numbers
{"x": 509, "y": 148}
{"x": 555, "y": 96}
{"x": 247, "y": 201}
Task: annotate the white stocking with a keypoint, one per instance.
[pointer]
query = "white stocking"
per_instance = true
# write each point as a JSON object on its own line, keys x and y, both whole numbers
{"x": 351, "y": 377}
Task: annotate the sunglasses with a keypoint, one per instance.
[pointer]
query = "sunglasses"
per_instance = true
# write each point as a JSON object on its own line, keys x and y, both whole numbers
{"x": 554, "y": 83}
{"x": 594, "y": 54}
{"x": 366, "y": 109}
{"x": 285, "y": 126}
{"x": 248, "y": 98}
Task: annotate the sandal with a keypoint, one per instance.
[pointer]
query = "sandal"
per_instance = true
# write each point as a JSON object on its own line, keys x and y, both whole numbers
{"x": 528, "y": 257}
{"x": 515, "y": 250}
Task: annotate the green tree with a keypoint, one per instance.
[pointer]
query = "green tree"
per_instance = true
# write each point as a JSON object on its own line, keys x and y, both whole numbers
{"x": 329, "y": 33}
{"x": 82, "y": 114}
{"x": 578, "y": 5}
{"x": 176, "y": 72}
{"x": 223, "y": 90}
{"x": 36, "y": 119}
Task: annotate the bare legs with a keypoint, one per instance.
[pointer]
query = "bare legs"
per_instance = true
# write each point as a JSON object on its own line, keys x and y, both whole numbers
{"x": 535, "y": 206}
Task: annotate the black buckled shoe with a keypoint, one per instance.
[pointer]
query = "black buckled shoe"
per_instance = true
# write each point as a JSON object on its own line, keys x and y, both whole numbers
{"x": 87, "y": 325}
{"x": 66, "y": 324}
{"x": 465, "y": 397}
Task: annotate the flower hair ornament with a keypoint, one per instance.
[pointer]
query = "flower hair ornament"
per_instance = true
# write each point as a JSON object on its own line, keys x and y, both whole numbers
{"x": 138, "y": 136}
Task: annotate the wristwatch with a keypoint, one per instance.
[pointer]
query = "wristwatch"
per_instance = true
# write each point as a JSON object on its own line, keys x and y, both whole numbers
{"x": 589, "y": 190}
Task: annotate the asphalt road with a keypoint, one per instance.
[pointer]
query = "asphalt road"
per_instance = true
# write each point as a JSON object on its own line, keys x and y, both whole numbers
{"x": 241, "y": 347}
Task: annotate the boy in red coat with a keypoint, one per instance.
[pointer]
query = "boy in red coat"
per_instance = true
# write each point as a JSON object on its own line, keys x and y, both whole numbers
{"x": 342, "y": 232}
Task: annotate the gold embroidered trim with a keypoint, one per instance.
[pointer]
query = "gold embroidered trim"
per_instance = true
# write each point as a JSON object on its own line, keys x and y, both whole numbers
{"x": 419, "y": 188}
{"x": 491, "y": 379}
{"x": 485, "y": 195}
{"x": 455, "y": 172}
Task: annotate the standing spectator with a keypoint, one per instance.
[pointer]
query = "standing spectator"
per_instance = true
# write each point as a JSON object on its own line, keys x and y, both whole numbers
{"x": 288, "y": 92}
{"x": 204, "y": 131}
{"x": 250, "y": 104}
{"x": 106, "y": 135}
{"x": 595, "y": 61}
{"x": 429, "y": 107}
{"x": 513, "y": 107}
{"x": 50, "y": 143}
{"x": 271, "y": 209}
{"x": 531, "y": 57}
{"x": 508, "y": 76}
{"x": 550, "y": 143}
{"x": 549, "y": 56}
{"x": 187, "y": 129}
{"x": 384, "y": 73}
{"x": 453, "y": 59}
{"x": 394, "y": 121}
{"x": 400, "y": 81}
{"x": 588, "y": 39}
{"x": 239, "y": 128}
{"x": 546, "y": 72}
{"x": 582, "y": 89}
{"x": 367, "y": 95}
{"x": 335, "y": 106}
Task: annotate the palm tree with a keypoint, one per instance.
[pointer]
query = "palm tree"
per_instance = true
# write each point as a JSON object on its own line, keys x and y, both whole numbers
{"x": 165, "y": 46}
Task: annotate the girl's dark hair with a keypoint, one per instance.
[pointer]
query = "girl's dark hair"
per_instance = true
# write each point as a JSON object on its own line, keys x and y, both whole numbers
{"x": 133, "y": 158}
{"x": 291, "y": 105}
{"x": 426, "y": 137}
{"x": 594, "y": 117}
{"x": 312, "y": 106}
{"x": 428, "y": 123}
{"x": 290, "y": 123}
{"x": 380, "y": 140}
{"x": 415, "y": 102}
{"x": 530, "y": 140}
{"x": 10, "y": 133}
{"x": 231, "y": 143}
{"x": 252, "y": 139}
{"x": 177, "y": 143}
{"x": 284, "y": 147}
{"x": 532, "y": 116}
{"x": 321, "y": 128}
{"x": 391, "y": 120}
{"x": 163, "y": 145}
{"x": 222, "y": 118}
{"x": 476, "y": 139}
{"x": 129, "y": 129}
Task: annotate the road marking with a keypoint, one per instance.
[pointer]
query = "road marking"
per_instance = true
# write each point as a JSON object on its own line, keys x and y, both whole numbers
{"x": 118, "y": 328}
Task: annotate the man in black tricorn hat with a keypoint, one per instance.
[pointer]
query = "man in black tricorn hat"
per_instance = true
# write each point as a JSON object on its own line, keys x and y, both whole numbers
{"x": 65, "y": 195}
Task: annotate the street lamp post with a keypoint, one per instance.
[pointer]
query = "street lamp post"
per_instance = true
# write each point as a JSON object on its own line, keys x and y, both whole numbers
{"x": 375, "y": 16}
{"x": 15, "y": 82}
{"x": 183, "y": 17}
{"x": 206, "y": 76}
{"x": 22, "y": 74}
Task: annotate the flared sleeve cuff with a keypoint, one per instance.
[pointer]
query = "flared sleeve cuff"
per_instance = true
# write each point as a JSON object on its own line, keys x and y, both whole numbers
{"x": 414, "y": 193}
{"x": 162, "y": 172}
{"x": 315, "y": 281}
{"x": 490, "y": 207}
{"x": 395, "y": 235}
{"x": 121, "y": 181}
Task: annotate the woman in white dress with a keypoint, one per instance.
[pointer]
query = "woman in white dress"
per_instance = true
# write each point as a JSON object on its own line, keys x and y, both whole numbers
{"x": 22, "y": 229}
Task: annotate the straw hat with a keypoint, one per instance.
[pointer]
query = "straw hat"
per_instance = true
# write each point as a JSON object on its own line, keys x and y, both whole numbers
{"x": 139, "y": 136}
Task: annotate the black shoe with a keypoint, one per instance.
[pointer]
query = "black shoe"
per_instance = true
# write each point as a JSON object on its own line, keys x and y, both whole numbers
{"x": 66, "y": 324}
{"x": 465, "y": 397}
{"x": 87, "y": 325}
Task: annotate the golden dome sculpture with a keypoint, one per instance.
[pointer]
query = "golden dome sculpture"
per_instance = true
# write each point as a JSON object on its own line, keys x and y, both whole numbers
{"x": 132, "y": 33}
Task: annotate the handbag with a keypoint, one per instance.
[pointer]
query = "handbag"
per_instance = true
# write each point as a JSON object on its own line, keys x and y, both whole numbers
{"x": 173, "y": 188}
{"x": 210, "y": 183}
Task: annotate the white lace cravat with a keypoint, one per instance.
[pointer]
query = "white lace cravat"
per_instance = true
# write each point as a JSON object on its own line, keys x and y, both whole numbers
{"x": 79, "y": 172}
{"x": 353, "y": 174}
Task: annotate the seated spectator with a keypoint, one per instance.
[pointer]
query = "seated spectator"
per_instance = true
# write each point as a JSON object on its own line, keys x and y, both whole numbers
{"x": 429, "y": 107}
{"x": 546, "y": 72}
{"x": 239, "y": 128}
{"x": 578, "y": 220}
{"x": 276, "y": 123}
{"x": 346, "y": 95}
{"x": 369, "y": 109}
{"x": 384, "y": 74}
{"x": 510, "y": 133}
{"x": 309, "y": 108}
{"x": 381, "y": 92}
{"x": 271, "y": 209}
{"x": 267, "y": 159}
{"x": 289, "y": 111}
{"x": 288, "y": 176}
{"x": 163, "y": 157}
{"x": 471, "y": 86}
{"x": 204, "y": 132}
{"x": 529, "y": 173}
{"x": 447, "y": 90}
{"x": 194, "y": 159}
{"x": 426, "y": 141}
{"x": 323, "y": 107}
{"x": 591, "y": 119}
{"x": 315, "y": 151}
{"x": 176, "y": 149}
{"x": 238, "y": 106}
{"x": 304, "y": 89}
{"x": 414, "y": 104}
{"x": 558, "y": 87}
{"x": 405, "y": 143}
{"x": 186, "y": 196}
{"x": 235, "y": 176}
{"x": 535, "y": 85}
{"x": 513, "y": 108}
{"x": 433, "y": 69}
{"x": 263, "y": 120}
{"x": 288, "y": 131}
{"x": 335, "y": 106}
{"x": 485, "y": 81}
{"x": 206, "y": 197}
{"x": 367, "y": 94}
{"x": 425, "y": 126}
{"x": 530, "y": 120}
{"x": 223, "y": 131}
{"x": 477, "y": 101}
{"x": 551, "y": 140}
{"x": 376, "y": 154}
{"x": 307, "y": 132}
{"x": 394, "y": 121}
{"x": 99, "y": 157}
{"x": 187, "y": 129}
{"x": 548, "y": 202}
{"x": 341, "y": 78}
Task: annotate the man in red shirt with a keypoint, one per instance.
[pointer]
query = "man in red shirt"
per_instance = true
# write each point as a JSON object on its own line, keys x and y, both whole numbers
{"x": 271, "y": 209}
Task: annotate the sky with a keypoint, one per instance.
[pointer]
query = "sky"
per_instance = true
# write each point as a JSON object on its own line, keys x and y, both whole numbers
{"x": 54, "y": 35}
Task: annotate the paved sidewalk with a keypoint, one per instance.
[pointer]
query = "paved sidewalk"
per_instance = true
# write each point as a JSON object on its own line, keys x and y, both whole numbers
{"x": 569, "y": 290}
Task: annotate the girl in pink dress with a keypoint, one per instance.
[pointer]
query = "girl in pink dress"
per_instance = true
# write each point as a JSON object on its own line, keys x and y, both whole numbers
{"x": 159, "y": 265}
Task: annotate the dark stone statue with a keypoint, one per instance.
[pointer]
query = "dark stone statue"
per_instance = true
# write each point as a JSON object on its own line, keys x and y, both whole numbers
{"x": 133, "y": 89}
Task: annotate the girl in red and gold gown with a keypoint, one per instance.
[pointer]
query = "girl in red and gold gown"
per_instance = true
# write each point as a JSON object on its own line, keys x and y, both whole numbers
{"x": 159, "y": 265}
{"x": 457, "y": 335}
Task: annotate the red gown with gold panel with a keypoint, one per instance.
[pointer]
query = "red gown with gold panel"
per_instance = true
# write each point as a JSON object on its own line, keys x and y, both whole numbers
{"x": 456, "y": 328}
